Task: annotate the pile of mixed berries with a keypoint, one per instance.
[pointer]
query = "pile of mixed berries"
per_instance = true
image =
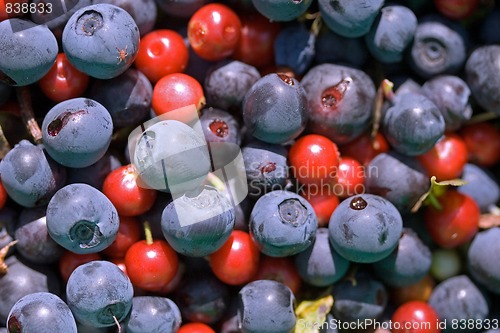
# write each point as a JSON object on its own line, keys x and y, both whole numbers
{"x": 249, "y": 166}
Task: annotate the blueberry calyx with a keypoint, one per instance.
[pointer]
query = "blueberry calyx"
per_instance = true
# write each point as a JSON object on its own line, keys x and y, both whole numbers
{"x": 89, "y": 22}
{"x": 358, "y": 203}
{"x": 285, "y": 78}
{"x": 331, "y": 96}
{"x": 293, "y": 212}
{"x": 86, "y": 233}
{"x": 14, "y": 325}
{"x": 269, "y": 167}
{"x": 57, "y": 124}
{"x": 219, "y": 128}
{"x": 109, "y": 313}
{"x": 433, "y": 52}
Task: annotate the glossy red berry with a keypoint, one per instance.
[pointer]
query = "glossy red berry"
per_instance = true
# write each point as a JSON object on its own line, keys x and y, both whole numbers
{"x": 129, "y": 233}
{"x": 483, "y": 143}
{"x": 415, "y": 317}
{"x": 151, "y": 266}
{"x": 70, "y": 260}
{"x": 195, "y": 328}
{"x": 161, "y": 52}
{"x": 281, "y": 269}
{"x": 455, "y": 223}
{"x": 3, "y": 195}
{"x": 237, "y": 261}
{"x": 350, "y": 178}
{"x": 63, "y": 81}
{"x": 214, "y": 31}
{"x": 456, "y": 9}
{"x": 256, "y": 45}
{"x": 323, "y": 200}
{"x": 364, "y": 149}
{"x": 446, "y": 159}
{"x": 122, "y": 189}
{"x": 314, "y": 159}
{"x": 175, "y": 91}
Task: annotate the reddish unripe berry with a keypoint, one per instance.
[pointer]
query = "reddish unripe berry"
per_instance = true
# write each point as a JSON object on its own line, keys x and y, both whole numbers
{"x": 415, "y": 317}
{"x": 446, "y": 159}
{"x": 121, "y": 188}
{"x": 70, "y": 260}
{"x": 455, "y": 223}
{"x": 323, "y": 200}
{"x": 161, "y": 52}
{"x": 237, "y": 261}
{"x": 175, "y": 91}
{"x": 483, "y": 143}
{"x": 214, "y": 31}
{"x": 129, "y": 233}
{"x": 63, "y": 81}
{"x": 364, "y": 149}
{"x": 281, "y": 269}
{"x": 195, "y": 328}
{"x": 456, "y": 9}
{"x": 314, "y": 159}
{"x": 151, "y": 266}
{"x": 350, "y": 177}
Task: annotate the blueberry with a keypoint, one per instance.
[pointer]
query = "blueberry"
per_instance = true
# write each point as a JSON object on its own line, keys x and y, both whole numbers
{"x": 143, "y": 12}
{"x": 365, "y": 228}
{"x": 127, "y": 97}
{"x": 41, "y": 312}
{"x": 366, "y": 298}
{"x": 220, "y": 126}
{"x": 94, "y": 174}
{"x": 29, "y": 176}
{"x": 27, "y": 51}
{"x": 82, "y": 219}
{"x": 282, "y": 10}
{"x": 451, "y": 95}
{"x": 294, "y": 48}
{"x": 282, "y": 223}
{"x": 22, "y": 279}
{"x": 98, "y": 291}
{"x": 266, "y": 306}
{"x": 153, "y": 314}
{"x": 163, "y": 157}
{"x": 198, "y": 224}
{"x": 266, "y": 167}
{"x": 481, "y": 185}
{"x": 350, "y": 18}
{"x": 101, "y": 40}
{"x": 407, "y": 264}
{"x": 398, "y": 178}
{"x": 482, "y": 253}
{"x": 391, "y": 33}
{"x": 226, "y": 84}
{"x": 437, "y": 49}
{"x": 77, "y": 132}
{"x": 458, "y": 298}
{"x": 35, "y": 243}
{"x": 319, "y": 265}
{"x": 275, "y": 108}
{"x": 203, "y": 298}
{"x": 182, "y": 8}
{"x": 480, "y": 71}
{"x": 340, "y": 101}
{"x": 331, "y": 48}
{"x": 413, "y": 124}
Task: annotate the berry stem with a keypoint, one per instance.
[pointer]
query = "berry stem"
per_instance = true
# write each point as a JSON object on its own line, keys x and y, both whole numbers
{"x": 148, "y": 233}
{"x": 27, "y": 114}
{"x": 4, "y": 144}
{"x": 384, "y": 92}
{"x": 3, "y": 254}
{"x": 117, "y": 323}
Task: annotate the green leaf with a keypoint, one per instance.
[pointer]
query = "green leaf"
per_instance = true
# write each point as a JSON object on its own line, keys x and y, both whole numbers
{"x": 436, "y": 190}
{"x": 312, "y": 314}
